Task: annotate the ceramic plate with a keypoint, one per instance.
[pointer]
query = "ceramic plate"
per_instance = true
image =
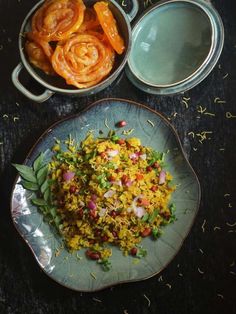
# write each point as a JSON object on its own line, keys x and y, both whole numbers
{"x": 66, "y": 268}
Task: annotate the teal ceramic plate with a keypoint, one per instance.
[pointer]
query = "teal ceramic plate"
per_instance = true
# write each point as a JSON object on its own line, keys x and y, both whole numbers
{"x": 66, "y": 268}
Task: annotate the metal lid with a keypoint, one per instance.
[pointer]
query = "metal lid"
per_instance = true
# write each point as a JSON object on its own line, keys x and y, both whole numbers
{"x": 175, "y": 45}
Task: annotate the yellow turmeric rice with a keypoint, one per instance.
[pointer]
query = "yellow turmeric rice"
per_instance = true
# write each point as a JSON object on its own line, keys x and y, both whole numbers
{"x": 107, "y": 191}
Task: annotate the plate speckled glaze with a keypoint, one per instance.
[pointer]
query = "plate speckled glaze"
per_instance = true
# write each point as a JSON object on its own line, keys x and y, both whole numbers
{"x": 42, "y": 239}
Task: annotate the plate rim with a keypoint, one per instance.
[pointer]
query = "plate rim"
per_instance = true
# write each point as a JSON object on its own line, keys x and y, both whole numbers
{"x": 72, "y": 116}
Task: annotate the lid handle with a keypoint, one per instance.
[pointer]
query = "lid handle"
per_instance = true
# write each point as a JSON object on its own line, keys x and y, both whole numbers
{"x": 135, "y": 7}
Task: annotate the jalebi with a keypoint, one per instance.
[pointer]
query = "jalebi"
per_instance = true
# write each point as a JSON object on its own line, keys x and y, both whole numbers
{"x": 38, "y": 57}
{"x": 83, "y": 60}
{"x": 109, "y": 26}
{"x": 58, "y": 19}
{"x": 73, "y": 41}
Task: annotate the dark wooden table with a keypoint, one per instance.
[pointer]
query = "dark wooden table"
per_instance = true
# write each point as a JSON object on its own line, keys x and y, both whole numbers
{"x": 202, "y": 277}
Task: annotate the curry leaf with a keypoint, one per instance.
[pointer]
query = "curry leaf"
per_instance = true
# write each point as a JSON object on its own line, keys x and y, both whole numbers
{"x": 39, "y": 201}
{"x": 42, "y": 174}
{"x": 26, "y": 172}
{"x": 29, "y": 185}
{"x": 38, "y": 163}
{"x": 44, "y": 186}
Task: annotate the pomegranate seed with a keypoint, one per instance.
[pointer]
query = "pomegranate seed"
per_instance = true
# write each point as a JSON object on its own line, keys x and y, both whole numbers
{"x": 133, "y": 251}
{"x": 139, "y": 176}
{"x": 104, "y": 238}
{"x": 103, "y": 154}
{"x": 121, "y": 141}
{"x": 146, "y": 232}
{"x": 115, "y": 235}
{"x": 112, "y": 178}
{"x": 149, "y": 169}
{"x": 124, "y": 179}
{"x": 154, "y": 188}
{"x": 156, "y": 165}
{"x": 93, "y": 213}
{"x": 80, "y": 213}
{"x": 72, "y": 189}
{"x": 97, "y": 233}
{"x": 121, "y": 124}
{"x": 113, "y": 214}
{"x": 93, "y": 255}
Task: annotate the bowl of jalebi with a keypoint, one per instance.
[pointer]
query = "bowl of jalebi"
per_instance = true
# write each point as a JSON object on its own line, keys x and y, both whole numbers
{"x": 73, "y": 47}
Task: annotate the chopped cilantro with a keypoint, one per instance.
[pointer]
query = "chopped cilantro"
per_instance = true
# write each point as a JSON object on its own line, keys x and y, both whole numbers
{"x": 106, "y": 264}
{"x": 141, "y": 253}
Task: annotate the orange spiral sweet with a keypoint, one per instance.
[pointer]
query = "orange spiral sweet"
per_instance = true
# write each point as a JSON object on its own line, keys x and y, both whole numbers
{"x": 83, "y": 60}
{"x": 38, "y": 57}
{"x": 90, "y": 21}
{"x": 57, "y": 19}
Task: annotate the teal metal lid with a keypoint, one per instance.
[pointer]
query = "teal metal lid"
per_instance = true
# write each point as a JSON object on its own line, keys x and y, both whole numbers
{"x": 175, "y": 45}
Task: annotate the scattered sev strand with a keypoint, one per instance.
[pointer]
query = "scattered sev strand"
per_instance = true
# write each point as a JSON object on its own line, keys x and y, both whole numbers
{"x": 203, "y": 111}
{"x": 217, "y": 100}
{"x": 226, "y": 75}
{"x": 201, "y": 251}
{"x": 232, "y": 273}
{"x": 210, "y": 114}
{"x": 128, "y": 132}
{"x": 150, "y": 122}
{"x": 160, "y": 279}
{"x": 106, "y": 124}
{"x": 200, "y": 271}
{"x": 217, "y": 228}
{"x": 93, "y": 275}
{"x": 220, "y": 295}
{"x": 149, "y": 302}
{"x": 185, "y": 103}
{"x": 97, "y": 300}
{"x": 226, "y": 194}
{"x": 191, "y": 133}
{"x": 203, "y": 136}
{"x": 203, "y": 225}
{"x": 231, "y": 225}
{"x": 230, "y": 205}
{"x": 168, "y": 285}
{"x": 229, "y": 115}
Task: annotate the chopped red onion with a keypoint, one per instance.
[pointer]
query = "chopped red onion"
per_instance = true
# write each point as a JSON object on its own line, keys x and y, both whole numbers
{"x": 94, "y": 197}
{"x": 109, "y": 193}
{"x": 91, "y": 205}
{"x": 128, "y": 183}
{"x": 102, "y": 212}
{"x": 118, "y": 182}
{"x": 133, "y": 156}
{"x": 81, "y": 203}
{"x": 68, "y": 175}
{"x": 139, "y": 212}
{"x": 162, "y": 177}
{"x": 112, "y": 153}
{"x": 143, "y": 156}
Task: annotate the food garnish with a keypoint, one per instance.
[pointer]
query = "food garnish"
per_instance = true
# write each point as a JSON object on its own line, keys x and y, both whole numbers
{"x": 102, "y": 192}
